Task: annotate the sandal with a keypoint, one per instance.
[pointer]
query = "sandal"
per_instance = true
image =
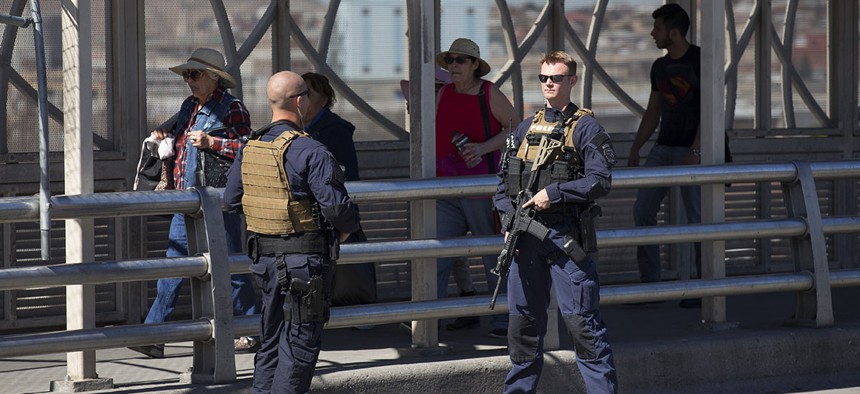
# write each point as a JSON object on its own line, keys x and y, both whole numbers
{"x": 246, "y": 344}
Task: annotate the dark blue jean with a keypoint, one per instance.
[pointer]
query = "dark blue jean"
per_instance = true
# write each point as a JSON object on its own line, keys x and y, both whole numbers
{"x": 647, "y": 205}
{"x": 244, "y": 302}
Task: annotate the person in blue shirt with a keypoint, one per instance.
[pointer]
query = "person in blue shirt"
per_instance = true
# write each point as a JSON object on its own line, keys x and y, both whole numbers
{"x": 297, "y": 209}
{"x": 354, "y": 283}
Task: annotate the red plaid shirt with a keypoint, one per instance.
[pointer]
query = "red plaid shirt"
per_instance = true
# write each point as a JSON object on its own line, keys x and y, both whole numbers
{"x": 238, "y": 123}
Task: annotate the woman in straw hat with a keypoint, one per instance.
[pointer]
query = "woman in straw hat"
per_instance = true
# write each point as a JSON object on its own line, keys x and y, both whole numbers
{"x": 470, "y": 116}
{"x": 209, "y": 107}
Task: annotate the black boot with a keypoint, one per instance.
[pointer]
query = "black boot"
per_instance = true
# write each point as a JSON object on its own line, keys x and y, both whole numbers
{"x": 465, "y": 322}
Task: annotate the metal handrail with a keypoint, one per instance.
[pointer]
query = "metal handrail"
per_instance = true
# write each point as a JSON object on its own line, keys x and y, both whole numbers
{"x": 148, "y": 269}
{"x": 19, "y": 209}
{"x": 135, "y": 335}
{"x": 22, "y": 209}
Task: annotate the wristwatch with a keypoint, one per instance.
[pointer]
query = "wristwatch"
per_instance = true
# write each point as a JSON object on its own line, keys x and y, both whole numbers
{"x": 696, "y": 152}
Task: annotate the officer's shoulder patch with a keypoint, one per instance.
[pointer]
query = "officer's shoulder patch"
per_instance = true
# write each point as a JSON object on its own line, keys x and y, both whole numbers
{"x": 338, "y": 172}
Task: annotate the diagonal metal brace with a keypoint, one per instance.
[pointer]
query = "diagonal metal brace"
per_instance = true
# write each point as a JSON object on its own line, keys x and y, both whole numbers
{"x": 16, "y": 21}
{"x": 814, "y": 307}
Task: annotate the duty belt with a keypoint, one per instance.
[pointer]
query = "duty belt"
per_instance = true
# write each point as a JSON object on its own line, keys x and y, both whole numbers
{"x": 273, "y": 245}
{"x": 567, "y": 213}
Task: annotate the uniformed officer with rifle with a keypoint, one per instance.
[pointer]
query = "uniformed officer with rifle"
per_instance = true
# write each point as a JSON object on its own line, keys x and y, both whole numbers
{"x": 297, "y": 210}
{"x": 558, "y": 162}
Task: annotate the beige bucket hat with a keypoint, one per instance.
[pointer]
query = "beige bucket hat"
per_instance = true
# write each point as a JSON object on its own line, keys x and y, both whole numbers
{"x": 207, "y": 59}
{"x": 464, "y": 46}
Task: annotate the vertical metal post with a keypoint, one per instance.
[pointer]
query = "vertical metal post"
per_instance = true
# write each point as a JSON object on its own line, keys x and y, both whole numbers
{"x": 127, "y": 71}
{"x": 44, "y": 181}
{"x": 843, "y": 108}
{"x": 421, "y": 16}
{"x": 78, "y": 163}
{"x": 763, "y": 101}
{"x": 214, "y": 361}
{"x": 555, "y": 28}
{"x": 712, "y": 137}
{"x": 814, "y": 307}
{"x": 281, "y": 37}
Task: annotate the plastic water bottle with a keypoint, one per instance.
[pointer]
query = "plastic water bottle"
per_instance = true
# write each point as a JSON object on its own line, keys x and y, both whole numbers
{"x": 459, "y": 140}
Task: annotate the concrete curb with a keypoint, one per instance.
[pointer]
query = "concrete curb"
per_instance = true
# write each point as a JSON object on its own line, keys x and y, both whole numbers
{"x": 715, "y": 362}
{"x": 772, "y": 359}
{"x": 718, "y": 361}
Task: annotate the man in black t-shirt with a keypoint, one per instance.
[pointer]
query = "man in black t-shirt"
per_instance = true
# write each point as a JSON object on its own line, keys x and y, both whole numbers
{"x": 674, "y": 104}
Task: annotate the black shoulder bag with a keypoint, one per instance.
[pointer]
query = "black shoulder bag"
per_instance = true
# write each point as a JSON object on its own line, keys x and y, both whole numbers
{"x": 485, "y": 115}
{"x": 212, "y": 168}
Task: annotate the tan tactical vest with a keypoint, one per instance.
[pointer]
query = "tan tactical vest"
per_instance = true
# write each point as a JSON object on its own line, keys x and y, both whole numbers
{"x": 267, "y": 201}
{"x": 541, "y": 126}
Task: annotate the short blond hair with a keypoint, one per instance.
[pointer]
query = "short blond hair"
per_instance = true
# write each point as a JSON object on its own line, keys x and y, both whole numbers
{"x": 560, "y": 57}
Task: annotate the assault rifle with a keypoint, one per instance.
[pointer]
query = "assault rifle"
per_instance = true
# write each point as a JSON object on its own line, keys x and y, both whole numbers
{"x": 524, "y": 218}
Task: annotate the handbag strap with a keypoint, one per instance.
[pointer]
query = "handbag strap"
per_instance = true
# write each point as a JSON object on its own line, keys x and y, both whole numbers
{"x": 139, "y": 166}
{"x": 485, "y": 115}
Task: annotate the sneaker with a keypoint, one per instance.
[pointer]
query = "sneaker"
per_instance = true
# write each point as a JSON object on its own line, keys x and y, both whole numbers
{"x": 246, "y": 344}
{"x": 690, "y": 303}
{"x": 464, "y": 323}
{"x": 500, "y": 333}
{"x": 468, "y": 293}
{"x": 153, "y": 351}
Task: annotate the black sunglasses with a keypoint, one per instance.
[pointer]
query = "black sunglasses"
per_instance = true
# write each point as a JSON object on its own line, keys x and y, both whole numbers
{"x": 191, "y": 74}
{"x": 306, "y": 92}
{"x": 555, "y": 78}
{"x": 457, "y": 59}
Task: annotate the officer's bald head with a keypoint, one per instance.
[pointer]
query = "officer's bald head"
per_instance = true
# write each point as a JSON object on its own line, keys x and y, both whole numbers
{"x": 283, "y": 88}
{"x": 287, "y": 94}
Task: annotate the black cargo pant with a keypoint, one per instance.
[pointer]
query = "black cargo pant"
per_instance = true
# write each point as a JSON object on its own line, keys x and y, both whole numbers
{"x": 289, "y": 350}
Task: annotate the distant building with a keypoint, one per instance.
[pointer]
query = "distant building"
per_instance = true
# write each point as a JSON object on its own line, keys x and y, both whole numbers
{"x": 372, "y": 44}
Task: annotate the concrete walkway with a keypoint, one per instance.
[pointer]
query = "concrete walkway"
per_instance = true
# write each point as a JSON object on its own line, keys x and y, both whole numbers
{"x": 659, "y": 348}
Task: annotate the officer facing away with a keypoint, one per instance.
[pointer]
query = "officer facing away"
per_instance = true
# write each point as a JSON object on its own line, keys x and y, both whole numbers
{"x": 297, "y": 210}
{"x": 577, "y": 172}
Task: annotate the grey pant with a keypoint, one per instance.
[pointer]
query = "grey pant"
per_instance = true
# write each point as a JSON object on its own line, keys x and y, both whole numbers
{"x": 455, "y": 218}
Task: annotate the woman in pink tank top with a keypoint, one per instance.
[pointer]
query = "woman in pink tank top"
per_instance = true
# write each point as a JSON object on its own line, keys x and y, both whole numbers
{"x": 471, "y": 114}
{"x": 458, "y": 110}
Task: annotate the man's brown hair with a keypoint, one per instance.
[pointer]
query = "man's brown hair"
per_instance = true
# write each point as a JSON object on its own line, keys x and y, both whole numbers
{"x": 560, "y": 57}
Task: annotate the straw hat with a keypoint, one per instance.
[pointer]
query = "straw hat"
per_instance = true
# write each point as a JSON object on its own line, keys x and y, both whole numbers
{"x": 464, "y": 46}
{"x": 207, "y": 59}
{"x": 442, "y": 78}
